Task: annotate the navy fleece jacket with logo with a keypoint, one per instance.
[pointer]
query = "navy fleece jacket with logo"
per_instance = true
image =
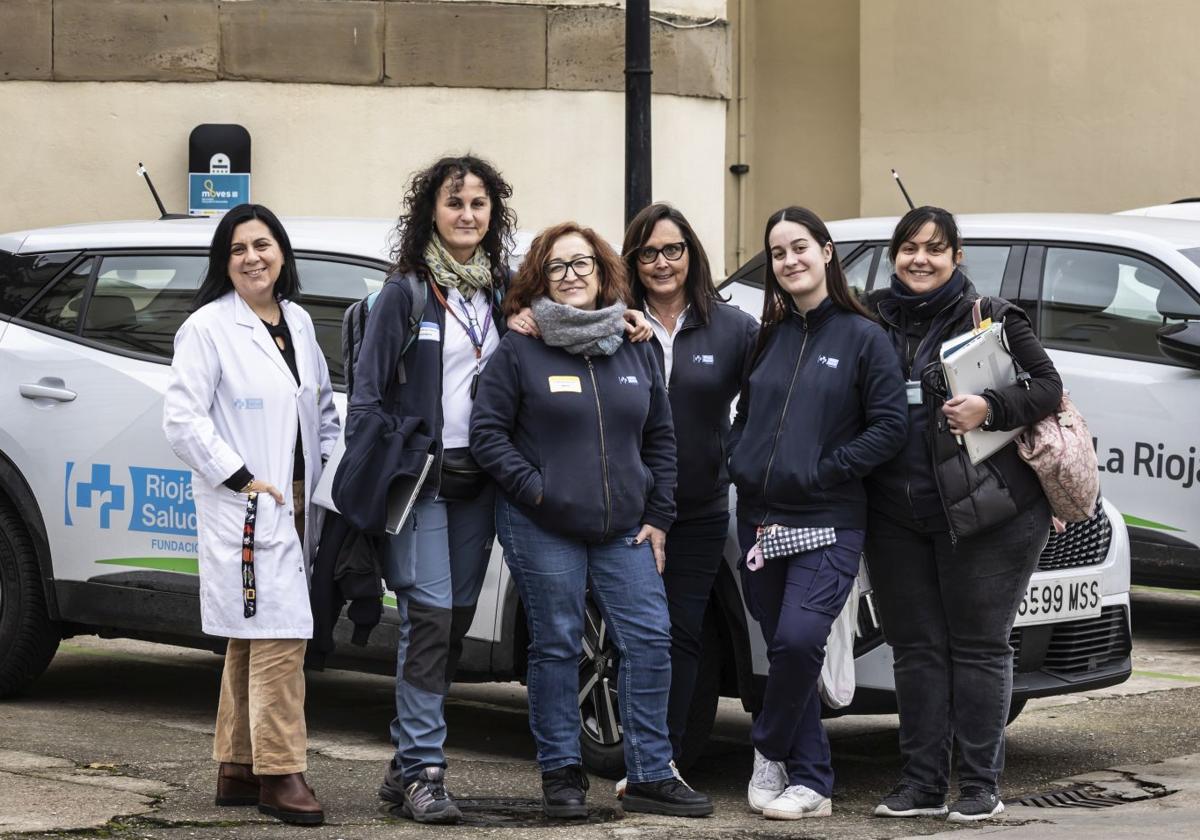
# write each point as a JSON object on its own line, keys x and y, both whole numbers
{"x": 825, "y": 405}
{"x": 592, "y": 436}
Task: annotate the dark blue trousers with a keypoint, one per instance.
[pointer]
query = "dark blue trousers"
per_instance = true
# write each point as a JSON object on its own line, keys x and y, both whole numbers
{"x": 795, "y": 600}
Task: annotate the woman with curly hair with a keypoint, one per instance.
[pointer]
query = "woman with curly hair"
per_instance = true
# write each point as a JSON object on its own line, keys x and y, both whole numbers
{"x": 451, "y": 252}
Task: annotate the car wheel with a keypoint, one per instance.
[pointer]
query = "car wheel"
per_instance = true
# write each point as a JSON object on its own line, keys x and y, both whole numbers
{"x": 600, "y": 734}
{"x": 704, "y": 696}
{"x": 28, "y": 638}
{"x": 1015, "y": 707}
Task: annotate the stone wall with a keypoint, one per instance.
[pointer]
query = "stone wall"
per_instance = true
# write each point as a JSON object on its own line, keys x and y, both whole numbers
{"x": 515, "y": 45}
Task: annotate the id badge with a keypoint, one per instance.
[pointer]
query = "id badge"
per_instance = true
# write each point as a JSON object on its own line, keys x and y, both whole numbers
{"x": 913, "y": 389}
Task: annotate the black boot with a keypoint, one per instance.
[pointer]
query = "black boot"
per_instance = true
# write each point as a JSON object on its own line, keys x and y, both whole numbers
{"x": 670, "y": 797}
{"x": 564, "y": 792}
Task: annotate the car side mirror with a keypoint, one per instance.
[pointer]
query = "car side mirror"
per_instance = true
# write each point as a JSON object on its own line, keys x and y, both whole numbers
{"x": 1181, "y": 342}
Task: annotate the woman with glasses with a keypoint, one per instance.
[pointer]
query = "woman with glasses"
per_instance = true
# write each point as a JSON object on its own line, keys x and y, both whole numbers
{"x": 575, "y": 429}
{"x": 702, "y": 346}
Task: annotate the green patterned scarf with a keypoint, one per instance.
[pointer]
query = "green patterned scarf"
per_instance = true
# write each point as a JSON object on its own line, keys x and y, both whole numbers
{"x": 449, "y": 273}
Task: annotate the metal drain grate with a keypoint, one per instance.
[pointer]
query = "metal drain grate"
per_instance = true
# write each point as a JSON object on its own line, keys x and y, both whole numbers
{"x": 1080, "y": 797}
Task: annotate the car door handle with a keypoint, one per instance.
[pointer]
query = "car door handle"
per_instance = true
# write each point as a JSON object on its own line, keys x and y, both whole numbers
{"x": 48, "y": 388}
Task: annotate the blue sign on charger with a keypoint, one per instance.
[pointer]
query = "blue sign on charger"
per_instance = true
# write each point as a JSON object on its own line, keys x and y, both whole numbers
{"x": 211, "y": 194}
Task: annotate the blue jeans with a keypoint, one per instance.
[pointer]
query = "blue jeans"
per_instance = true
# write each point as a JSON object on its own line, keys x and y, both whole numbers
{"x": 435, "y": 566}
{"x": 552, "y": 573}
{"x": 947, "y": 610}
{"x": 796, "y": 600}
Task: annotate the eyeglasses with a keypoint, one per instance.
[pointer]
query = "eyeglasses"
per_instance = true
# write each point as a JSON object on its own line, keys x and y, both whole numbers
{"x": 672, "y": 251}
{"x": 556, "y": 272}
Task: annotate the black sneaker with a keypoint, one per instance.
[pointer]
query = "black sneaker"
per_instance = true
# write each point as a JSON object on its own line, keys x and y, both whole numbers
{"x": 564, "y": 792}
{"x": 906, "y": 801}
{"x": 392, "y": 789}
{"x": 975, "y": 804}
{"x": 670, "y": 797}
{"x": 426, "y": 799}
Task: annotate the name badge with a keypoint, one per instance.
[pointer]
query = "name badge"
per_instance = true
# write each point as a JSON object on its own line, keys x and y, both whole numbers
{"x": 429, "y": 332}
{"x": 914, "y": 392}
{"x": 565, "y": 385}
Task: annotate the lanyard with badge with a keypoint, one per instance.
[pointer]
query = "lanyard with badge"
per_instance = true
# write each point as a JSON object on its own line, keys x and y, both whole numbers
{"x": 475, "y": 332}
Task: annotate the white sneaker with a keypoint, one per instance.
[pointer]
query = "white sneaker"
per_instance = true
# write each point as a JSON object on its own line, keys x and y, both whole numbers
{"x": 619, "y": 787}
{"x": 767, "y": 782}
{"x": 797, "y": 803}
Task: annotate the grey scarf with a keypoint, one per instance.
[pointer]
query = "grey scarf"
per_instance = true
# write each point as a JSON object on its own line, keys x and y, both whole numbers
{"x": 583, "y": 332}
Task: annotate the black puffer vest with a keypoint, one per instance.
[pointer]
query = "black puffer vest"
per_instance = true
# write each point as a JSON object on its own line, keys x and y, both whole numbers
{"x": 974, "y": 497}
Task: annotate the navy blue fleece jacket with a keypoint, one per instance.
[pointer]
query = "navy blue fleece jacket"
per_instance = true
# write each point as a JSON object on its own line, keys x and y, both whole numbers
{"x": 583, "y": 445}
{"x": 824, "y": 406}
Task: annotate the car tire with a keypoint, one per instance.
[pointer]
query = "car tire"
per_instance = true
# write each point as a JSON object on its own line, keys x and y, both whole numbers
{"x": 28, "y": 638}
{"x": 1015, "y": 707}
{"x": 601, "y": 738}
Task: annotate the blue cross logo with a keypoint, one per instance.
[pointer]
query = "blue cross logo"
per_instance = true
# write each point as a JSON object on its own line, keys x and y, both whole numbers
{"x": 100, "y": 485}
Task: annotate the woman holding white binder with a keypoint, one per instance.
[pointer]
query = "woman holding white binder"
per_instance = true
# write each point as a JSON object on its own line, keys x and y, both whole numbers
{"x": 951, "y": 545}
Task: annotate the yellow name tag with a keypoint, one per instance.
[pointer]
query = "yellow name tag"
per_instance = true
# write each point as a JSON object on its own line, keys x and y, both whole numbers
{"x": 565, "y": 385}
{"x": 986, "y": 323}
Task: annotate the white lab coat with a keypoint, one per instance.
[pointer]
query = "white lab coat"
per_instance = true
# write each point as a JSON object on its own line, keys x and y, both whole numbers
{"x": 232, "y": 401}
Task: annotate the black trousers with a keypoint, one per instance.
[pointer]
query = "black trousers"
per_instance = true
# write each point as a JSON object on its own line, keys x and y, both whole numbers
{"x": 695, "y": 551}
{"x": 947, "y": 611}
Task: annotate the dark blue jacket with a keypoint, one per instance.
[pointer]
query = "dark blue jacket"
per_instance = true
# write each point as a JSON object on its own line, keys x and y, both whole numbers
{"x": 377, "y": 386}
{"x": 591, "y": 436}
{"x": 709, "y": 363}
{"x": 825, "y": 405}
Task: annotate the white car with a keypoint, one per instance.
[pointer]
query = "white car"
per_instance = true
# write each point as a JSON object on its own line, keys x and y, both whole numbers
{"x": 97, "y": 524}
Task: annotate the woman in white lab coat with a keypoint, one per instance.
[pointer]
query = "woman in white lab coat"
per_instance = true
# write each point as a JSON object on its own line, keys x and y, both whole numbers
{"x": 249, "y": 408}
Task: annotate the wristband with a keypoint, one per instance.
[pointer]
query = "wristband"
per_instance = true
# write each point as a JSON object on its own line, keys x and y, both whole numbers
{"x": 246, "y": 488}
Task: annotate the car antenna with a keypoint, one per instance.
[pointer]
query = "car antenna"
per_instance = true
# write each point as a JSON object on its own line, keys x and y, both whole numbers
{"x": 899, "y": 183}
{"x": 141, "y": 170}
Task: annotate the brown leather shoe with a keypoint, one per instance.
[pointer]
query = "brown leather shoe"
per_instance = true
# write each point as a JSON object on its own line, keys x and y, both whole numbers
{"x": 236, "y": 784}
{"x": 290, "y": 799}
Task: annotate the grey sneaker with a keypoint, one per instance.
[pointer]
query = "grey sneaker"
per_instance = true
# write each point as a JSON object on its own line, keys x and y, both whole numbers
{"x": 975, "y": 804}
{"x": 426, "y": 799}
{"x": 906, "y": 801}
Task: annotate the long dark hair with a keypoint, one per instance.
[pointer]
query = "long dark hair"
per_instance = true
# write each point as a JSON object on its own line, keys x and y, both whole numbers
{"x": 910, "y": 225}
{"x": 531, "y": 281}
{"x": 216, "y": 279}
{"x": 698, "y": 285}
{"x": 416, "y": 224}
{"x": 776, "y": 302}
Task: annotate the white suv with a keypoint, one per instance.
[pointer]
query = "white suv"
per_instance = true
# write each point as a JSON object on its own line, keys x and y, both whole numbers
{"x": 97, "y": 524}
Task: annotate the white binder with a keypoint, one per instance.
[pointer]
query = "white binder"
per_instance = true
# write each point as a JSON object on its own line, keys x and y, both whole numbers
{"x": 974, "y": 362}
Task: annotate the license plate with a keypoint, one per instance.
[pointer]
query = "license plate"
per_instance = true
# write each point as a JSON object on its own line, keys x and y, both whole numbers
{"x": 1060, "y": 598}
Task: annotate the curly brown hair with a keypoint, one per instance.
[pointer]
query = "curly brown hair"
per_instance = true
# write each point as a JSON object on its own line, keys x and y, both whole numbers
{"x": 531, "y": 280}
{"x": 416, "y": 226}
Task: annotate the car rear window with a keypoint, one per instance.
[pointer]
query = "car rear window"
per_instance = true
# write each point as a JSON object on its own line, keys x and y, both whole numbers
{"x": 24, "y": 275}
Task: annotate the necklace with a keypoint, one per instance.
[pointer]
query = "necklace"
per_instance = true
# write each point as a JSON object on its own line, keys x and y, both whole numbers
{"x": 670, "y": 320}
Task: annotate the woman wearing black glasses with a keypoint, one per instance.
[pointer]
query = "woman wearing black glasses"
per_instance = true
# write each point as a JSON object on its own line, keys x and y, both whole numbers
{"x": 703, "y": 347}
{"x": 576, "y": 431}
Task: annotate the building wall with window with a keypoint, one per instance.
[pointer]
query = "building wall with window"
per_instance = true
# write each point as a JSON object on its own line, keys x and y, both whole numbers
{"x": 344, "y": 99}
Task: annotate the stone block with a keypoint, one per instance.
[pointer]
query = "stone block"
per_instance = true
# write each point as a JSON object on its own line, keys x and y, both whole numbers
{"x": 585, "y": 50}
{"x": 136, "y": 40}
{"x": 328, "y": 41}
{"x": 26, "y": 39}
{"x": 465, "y": 45}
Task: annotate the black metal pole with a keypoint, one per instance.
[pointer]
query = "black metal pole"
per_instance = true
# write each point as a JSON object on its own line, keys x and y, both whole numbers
{"x": 637, "y": 107}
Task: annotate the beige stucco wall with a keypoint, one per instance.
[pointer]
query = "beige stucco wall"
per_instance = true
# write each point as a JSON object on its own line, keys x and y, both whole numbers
{"x": 796, "y": 86}
{"x": 1029, "y": 105}
{"x": 71, "y": 149}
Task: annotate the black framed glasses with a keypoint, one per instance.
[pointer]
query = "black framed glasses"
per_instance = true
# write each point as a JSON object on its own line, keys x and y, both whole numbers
{"x": 672, "y": 251}
{"x": 556, "y": 272}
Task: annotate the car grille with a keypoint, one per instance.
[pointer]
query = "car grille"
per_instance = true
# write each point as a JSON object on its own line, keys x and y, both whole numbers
{"x": 1083, "y": 544}
{"x": 1075, "y": 647}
